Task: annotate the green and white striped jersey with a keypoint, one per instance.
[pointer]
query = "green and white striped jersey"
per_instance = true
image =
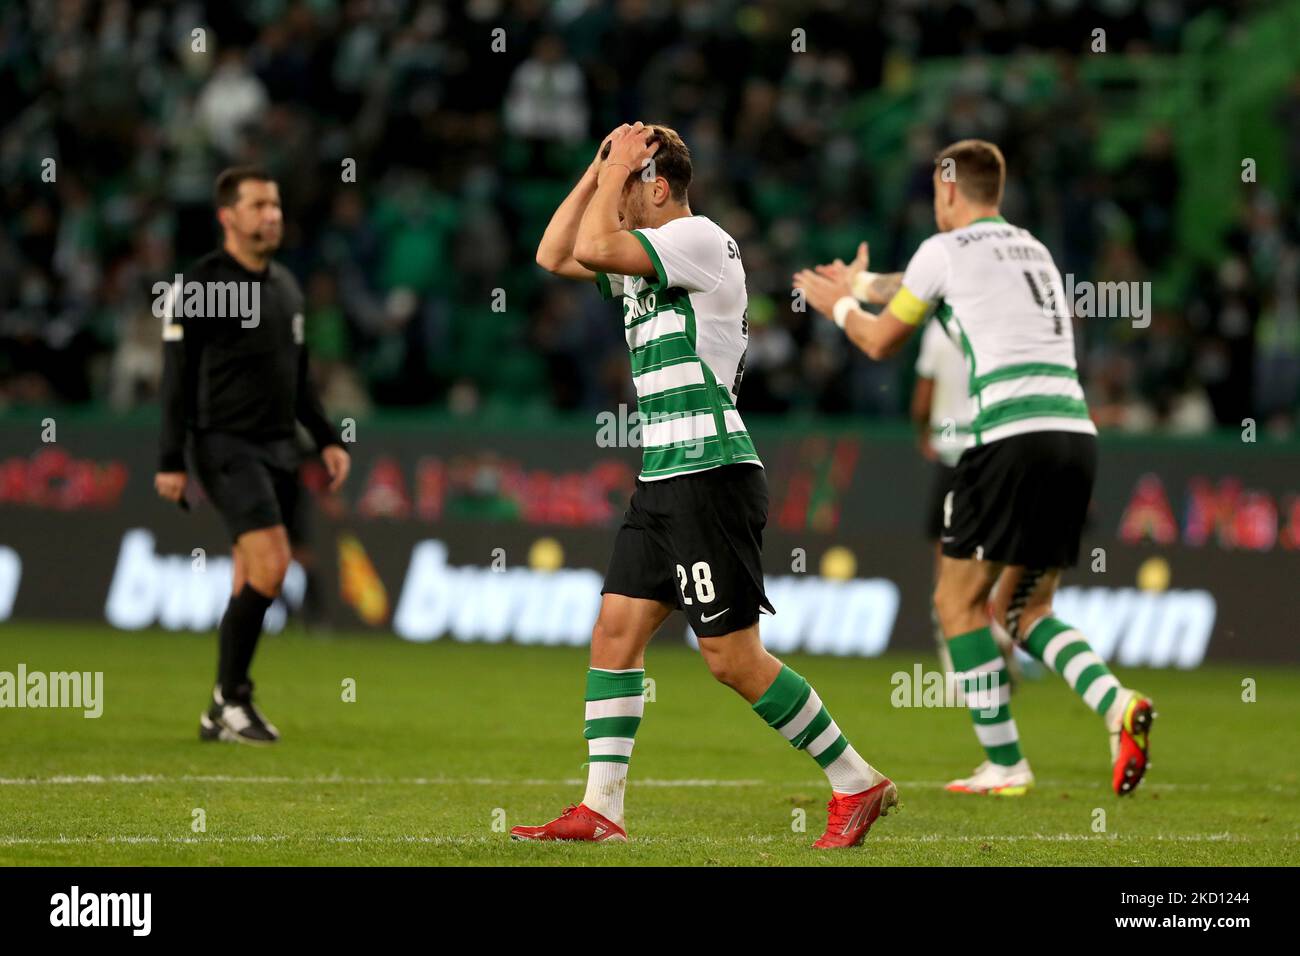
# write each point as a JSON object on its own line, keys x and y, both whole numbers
{"x": 687, "y": 330}
{"x": 999, "y": 294}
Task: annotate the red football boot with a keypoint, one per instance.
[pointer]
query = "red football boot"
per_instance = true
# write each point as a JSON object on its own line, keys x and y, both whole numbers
{"x": 1131, "y": 746}
{"x": 575, "y": 823}
{"x": 849, "y": 816}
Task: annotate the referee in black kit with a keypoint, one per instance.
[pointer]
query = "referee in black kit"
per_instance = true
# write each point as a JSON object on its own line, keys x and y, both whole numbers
{"x": 234, "y": 382}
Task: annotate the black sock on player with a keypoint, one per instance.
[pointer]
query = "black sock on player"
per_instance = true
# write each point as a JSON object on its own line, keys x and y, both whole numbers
{"x": 241, "y": 626}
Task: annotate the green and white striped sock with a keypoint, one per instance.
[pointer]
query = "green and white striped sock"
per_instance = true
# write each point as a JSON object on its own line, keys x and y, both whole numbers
{"x": 982, "y": 675}
{"x": 1068, "y": 652}
{"x": 615, "y": 705}
{"x": 794, "y": 710}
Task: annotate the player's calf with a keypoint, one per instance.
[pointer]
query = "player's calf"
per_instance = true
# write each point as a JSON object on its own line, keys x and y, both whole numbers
{"x": 740, "y": 662}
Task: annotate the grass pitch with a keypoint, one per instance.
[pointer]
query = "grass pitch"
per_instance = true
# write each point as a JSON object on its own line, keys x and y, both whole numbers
{"x": 447, "y": 745}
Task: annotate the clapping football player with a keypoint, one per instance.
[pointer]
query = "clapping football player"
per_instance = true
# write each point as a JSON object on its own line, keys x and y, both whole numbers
{"x": 1016, "y": 509}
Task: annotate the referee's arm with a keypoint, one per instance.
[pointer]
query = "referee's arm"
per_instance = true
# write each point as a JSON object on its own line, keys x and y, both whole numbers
{"x": 176, "y": 395}
{"x": 309, "y": 411}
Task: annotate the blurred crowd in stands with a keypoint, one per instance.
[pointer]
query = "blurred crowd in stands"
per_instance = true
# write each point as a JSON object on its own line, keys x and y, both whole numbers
{"x": 468, "y": 122}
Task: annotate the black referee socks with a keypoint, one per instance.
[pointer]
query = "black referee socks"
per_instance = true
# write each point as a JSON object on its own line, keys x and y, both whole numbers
{"x": 241, "y": 626}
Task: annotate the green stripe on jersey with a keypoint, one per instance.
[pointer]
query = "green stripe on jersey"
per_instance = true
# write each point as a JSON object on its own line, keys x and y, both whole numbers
{"x": 666, "y": 350}
{"x": 661, "y": 277}
{"x": 719, "y": 420}
{"x": 696, "y": 455}
{"x": 1029, "y": 406}
{"x": 1023, "y": 370}
{"x": 674, "y": 384}
{"x": 670, "y": 403}
{"x": 944, "y": 313}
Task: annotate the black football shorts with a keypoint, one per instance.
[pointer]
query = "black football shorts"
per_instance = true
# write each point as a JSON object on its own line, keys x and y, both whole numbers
{"x": 695, "y": 542}
{"x": 251, "y": 484}
{"x": 1022, "y": 500}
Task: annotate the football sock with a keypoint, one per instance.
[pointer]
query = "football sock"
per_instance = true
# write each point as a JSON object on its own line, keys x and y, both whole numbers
{"x": 794, "y": 710}
{"x": 615, "y": 705}
{"x": 1067, "y": 652}
{"x": 241, "y": 626}
{"x": 982, "y": 675}
{"x": 226, "y": 648}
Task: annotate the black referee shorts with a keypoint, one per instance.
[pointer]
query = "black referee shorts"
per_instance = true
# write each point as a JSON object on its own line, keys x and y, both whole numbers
{"x": 696, "y": 542}
{"x": 1022, "y": 500}
{"x": 252, "y": 484}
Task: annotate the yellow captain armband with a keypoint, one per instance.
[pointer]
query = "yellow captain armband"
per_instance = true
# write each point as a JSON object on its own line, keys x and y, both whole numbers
{"x": 907, "y": 308}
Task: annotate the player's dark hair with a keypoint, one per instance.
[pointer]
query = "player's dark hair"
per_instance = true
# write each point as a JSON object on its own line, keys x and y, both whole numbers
{"x": 672, "y": 161}
{"x": 226, "y": 190}
{"x": 977, "y": 167}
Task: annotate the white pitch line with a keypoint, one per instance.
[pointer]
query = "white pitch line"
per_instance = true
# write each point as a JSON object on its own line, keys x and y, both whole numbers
{"x": 1079, "y": 838}
{"x": 140, "y": 779}
{"x": 61, "y": 780}
{"x": 636, "y": 841}
{"x": 1041, "y": 784}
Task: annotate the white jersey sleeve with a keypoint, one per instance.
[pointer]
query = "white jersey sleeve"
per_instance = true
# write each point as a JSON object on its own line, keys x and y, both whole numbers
{"x": 925, "y": 282}
{"x": 927, "y": 359}
{"x": 688, "y": 253}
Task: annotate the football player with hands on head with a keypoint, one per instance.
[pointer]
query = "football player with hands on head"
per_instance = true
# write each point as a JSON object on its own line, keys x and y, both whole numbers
{"x": 692, "y": 537}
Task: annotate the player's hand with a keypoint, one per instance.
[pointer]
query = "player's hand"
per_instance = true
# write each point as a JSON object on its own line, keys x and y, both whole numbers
{"x": 628, "y": 147}
{"x": 602, "y": 151}
{"x": 170, "y": 485}
{"x": 820, "y": 291}
{"x": 337, "y": 463}
{"x": 841, "y": 270}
